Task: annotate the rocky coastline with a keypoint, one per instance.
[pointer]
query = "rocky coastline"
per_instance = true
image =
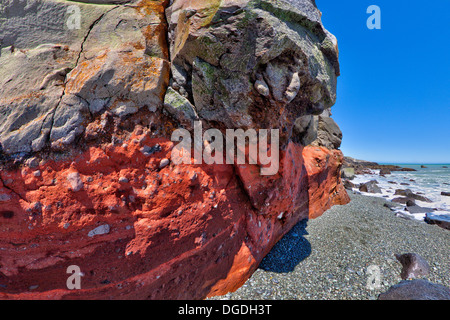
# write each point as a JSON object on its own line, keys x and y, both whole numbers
{"x": 403, "y": 198}
{"x": 91, "y": 93}
{"x": 363, "y": 166}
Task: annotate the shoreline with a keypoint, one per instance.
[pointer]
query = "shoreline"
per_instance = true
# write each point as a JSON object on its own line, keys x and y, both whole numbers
{"x": 330, "y": 258}
{"x": 418, "y": 192}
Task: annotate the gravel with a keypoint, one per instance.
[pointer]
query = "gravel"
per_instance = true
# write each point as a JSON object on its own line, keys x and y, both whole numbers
{"x": 338, "y": 255}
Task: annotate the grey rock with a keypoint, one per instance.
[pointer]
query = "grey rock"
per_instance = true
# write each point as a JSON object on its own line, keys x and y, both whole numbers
{"x": 54, "y": 78}
{"x": 349, "y": 185}
{"x": 148, "y": 151}
{"x": 370, "y": 187}
{"x": 4, "y": 197}
{"x": 391, "y": 205}
{"x": 293, "y": 88}
{"x": 247, "y": 59}
{"x": 404, "y": 201}
{"x": 447, "y": 194}
{"x": 74, "y": 179}
{"x": 413, "y": 266}
{"x": 348, "y": 173}
{"x": 32, "y": 162}
{"x": 30, "y": 23}
{"x": 36, "y": 38}
{"x": 123, "y": 180}
{"x": 419, "y": 209}
{"x": 262, "y": 87}
{"x": 417, "y": 289}
{"x": 305, "y": 129}
{"x": 69, "y": 117}
{"x": 164, "y": 163}
{"x": 409, "y": 194}
{"x": 329, "y": 134}
{"x": 180, "y": 108}
{"x": 103, "y": 229}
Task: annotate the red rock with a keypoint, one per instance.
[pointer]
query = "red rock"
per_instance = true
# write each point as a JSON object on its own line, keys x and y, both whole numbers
{"x": 180, "y": 232}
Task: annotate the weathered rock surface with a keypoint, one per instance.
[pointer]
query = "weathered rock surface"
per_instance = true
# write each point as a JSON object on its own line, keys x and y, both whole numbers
{"x": 417, "y": 289}
{"x": 413, "y": 265}
{"x": 319, "y": 130}
{"x": 86, "y": 119}
{"x": 252, "y": 64}
{"x": 75, "y": 74}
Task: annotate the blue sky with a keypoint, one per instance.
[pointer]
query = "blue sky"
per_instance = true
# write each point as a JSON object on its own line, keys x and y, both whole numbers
{"x": 393, "y": 94}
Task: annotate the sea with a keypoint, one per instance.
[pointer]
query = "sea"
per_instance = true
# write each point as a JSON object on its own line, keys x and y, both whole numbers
{"x": 429, "y": 181}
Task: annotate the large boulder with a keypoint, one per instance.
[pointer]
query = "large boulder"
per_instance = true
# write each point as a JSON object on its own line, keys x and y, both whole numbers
{"x": 413, "y": 265}
{"x": 370, "y": 187}
{"x": 417, "y": 289}
{"x": 319, "y": 130}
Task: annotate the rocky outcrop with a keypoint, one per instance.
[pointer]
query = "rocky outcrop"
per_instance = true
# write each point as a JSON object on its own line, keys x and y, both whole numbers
{"x": 252, "y": 64}
{"x": 362, "y": 166}
{"x": 87, "y": 115}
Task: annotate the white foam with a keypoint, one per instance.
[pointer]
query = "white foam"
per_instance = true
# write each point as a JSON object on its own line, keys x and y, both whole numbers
{"x": 422, "y": 184}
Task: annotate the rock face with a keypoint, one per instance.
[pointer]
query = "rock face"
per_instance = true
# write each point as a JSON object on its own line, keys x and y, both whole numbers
{"x": 252, "y": 64}
{"x": 87, "y": 114}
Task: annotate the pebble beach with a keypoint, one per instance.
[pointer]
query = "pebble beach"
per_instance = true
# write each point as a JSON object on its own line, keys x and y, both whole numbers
{"x": 348, "y": 253}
